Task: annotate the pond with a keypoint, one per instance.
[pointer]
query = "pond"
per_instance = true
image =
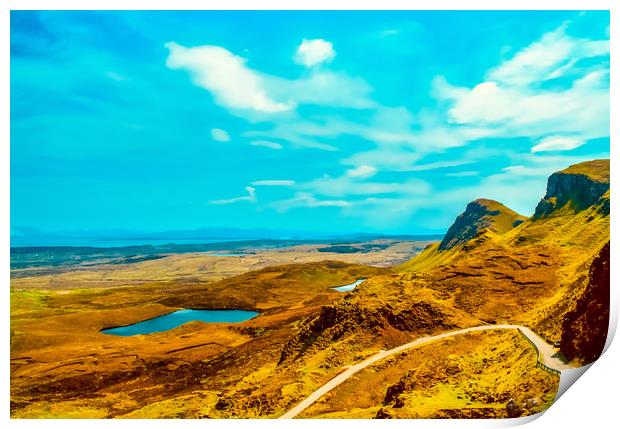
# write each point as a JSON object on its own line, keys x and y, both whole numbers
{"x": 178, "y": 318}
{"x": 350, "y": 287}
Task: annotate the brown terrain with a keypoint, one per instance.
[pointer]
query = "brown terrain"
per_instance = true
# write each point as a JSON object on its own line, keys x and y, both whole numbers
{"x": 549, "y": 272}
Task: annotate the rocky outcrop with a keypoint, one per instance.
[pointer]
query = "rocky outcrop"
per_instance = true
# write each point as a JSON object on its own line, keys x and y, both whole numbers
{"x": 480, "y": 215}
{"x": 342, "y": 318}
{"x": 576, "y": 188}
{"x": 584, "y": 330}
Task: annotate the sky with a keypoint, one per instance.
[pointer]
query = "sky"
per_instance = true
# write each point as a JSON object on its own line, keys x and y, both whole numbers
{"x": 317, "y": 121}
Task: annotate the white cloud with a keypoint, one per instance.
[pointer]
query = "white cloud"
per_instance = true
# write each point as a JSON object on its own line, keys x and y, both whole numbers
{"x": 265, "y": 143}
{"x": 557, "y": 143}
{"x": 439, "y": 164}
{"x": 346, "y": 186}
{"x": 464, "y": 174}
{"x": 511, "y": 102}
{"x": 543, "y": 95}
{"x": 295, "y": 137}
{"x": 251, "y": 197}
{"x": 554, "y": 55}
{"x": 255, "y": 95}
{"x": 226, "y": 76}
{"x": 313, "y": 52}
{"x": 514, "y": 168}
{"x": 582, "y": 109}
{"x": 220, "y": 135}
{"x": 400, "y": 138}
{"x": 273, "y": 182}
{"x": 362, "y": 171}
{"x": 388, "y": 157}
{"x": 306, "y": 200}
{"x": 324, "y": 88}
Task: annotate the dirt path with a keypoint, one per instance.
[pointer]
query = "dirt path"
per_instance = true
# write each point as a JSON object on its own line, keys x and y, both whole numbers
{"x": 547, "y": 355}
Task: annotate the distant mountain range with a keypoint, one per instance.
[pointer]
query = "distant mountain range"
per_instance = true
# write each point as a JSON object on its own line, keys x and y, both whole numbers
{"x": 27, "y": 236}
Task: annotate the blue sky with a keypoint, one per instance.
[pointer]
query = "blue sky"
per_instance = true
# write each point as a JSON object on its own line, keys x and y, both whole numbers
{"x": 318, "y": 121}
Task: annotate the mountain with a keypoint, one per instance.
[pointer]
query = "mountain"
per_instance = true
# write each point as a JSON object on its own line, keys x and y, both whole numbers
{"x": 24, "y": 236}
{"x": 540, "y": 272}
{"x": 32, "y": 237}
{"x": 480, "y": 215}
{"x": 576, "y": 188}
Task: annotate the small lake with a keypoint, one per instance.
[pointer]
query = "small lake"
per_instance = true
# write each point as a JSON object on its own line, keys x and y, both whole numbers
{"x": 347, "y": 288}
{"x": 178, "y": 318}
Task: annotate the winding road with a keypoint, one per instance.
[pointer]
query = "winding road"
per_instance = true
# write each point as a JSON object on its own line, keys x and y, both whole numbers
{"x": 547, "y": 356}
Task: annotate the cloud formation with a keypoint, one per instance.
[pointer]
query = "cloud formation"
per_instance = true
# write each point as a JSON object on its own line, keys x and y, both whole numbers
{"x": 313, "y": 52}
{"x": 265, "y": 143}
{"x": 220, "y": 135}
{"x": 536, "y": 99}
{"x": 273, "y": 182}
{"x": 362, "y": 171}
{"x": 306, "y": 200}
{"x": 251, "y": 197}
{"x": 521, "y": 96}
{"x": 556, "y": 54}
{"x": 225, "y": 75}
{"x": 557, "y": 143}
{"x": 255, "y": 95}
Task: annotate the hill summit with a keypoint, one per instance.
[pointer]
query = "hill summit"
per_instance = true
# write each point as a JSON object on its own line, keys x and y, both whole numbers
{"x": 480, "y": 215}
{"x": 576, "y": 188}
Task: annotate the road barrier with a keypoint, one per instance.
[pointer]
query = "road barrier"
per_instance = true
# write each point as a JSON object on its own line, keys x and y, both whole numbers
{"x": 539, "y": 363}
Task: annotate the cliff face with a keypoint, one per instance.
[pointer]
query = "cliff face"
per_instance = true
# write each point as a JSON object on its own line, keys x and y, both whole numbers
{"x": 479, "y": 215}
{"x": 576, "y": 188}
{"x": 584, "y": 330}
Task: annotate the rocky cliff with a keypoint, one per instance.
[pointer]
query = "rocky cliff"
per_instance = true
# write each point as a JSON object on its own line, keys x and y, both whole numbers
{"x": 575, "y": 188}
{"x": 584, "y": 330}
{"x": 479, "y": 215}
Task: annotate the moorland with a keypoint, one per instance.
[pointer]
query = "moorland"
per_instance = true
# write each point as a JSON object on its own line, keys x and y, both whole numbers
{"x": 548, "y": 272}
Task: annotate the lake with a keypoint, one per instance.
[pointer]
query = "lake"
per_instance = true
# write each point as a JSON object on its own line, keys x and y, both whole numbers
{"x": 178, "y": 318}
{"x": 350, "y": 287}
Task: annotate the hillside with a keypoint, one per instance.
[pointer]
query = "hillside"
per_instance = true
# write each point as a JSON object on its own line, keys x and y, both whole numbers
{"x": 535, "y": 273}
{"x": 482, "y": 220}
{"x": 480, "y": 215}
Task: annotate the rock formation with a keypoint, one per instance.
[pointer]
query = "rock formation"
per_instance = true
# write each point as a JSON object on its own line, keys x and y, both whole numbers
{"x": 481, "y": 214}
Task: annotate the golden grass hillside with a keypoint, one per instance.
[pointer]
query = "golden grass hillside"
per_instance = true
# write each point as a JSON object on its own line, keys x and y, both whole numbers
{"x": 536, "y": 272}
{"x": 472, "y": 376}
{"x": 480, "y": 216}
{"x": 63, "y": 366}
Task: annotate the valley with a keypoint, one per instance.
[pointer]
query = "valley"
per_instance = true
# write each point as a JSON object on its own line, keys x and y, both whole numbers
{"x": 549, "y": 273}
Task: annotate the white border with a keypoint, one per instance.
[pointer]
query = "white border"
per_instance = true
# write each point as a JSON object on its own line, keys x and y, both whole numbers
{"x": 592, "y": 402}
{"x": 310, "y": 5}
